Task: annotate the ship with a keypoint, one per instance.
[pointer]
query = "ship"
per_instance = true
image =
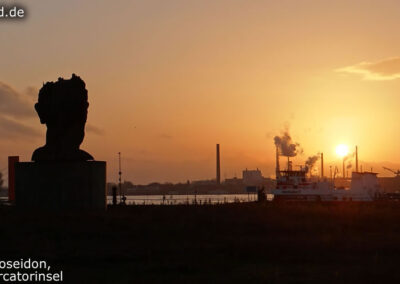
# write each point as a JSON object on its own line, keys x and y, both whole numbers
{"x": 299, "y": 185}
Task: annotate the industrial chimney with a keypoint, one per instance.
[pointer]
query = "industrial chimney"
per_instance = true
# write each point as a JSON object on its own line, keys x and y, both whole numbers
{"x": 12, "y": 160}
{"x": 218, "y": 167}
{"x": 357, "y": 159}
{"x": 322, "y": 165}
{"x": 344, "y": 173}
{"x": 278, "y": 171}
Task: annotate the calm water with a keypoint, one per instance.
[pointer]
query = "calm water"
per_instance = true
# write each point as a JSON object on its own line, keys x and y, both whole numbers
{"x": 183, "y": 199}
{"x": 188, "y": 199}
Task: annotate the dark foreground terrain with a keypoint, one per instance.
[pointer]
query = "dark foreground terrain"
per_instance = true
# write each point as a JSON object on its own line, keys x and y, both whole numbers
{"x": 236, "y": 243}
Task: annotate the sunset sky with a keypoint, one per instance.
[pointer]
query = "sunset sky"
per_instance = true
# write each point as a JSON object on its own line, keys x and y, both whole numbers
{"x": 167, "y": 80}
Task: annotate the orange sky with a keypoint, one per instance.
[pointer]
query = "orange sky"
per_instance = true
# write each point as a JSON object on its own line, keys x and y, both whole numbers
{"x": 167, "y": 80}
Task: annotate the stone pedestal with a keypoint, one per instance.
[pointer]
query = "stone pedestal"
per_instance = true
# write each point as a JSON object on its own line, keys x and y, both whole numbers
{"x": 61, "y": 185}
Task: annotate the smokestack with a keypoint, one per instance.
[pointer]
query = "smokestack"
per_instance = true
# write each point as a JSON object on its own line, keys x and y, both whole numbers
{"x": 322, "y": 165}
{"x": 12, "y": 160}
{"x": 344, "y": 173}
{"x": 278, "y": 174}
{"x": 356, "y": 159}
{"x": 218, "y": 167}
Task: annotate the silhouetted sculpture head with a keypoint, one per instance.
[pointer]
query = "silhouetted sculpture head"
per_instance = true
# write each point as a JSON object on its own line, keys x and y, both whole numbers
{"x": 62, "y": 106}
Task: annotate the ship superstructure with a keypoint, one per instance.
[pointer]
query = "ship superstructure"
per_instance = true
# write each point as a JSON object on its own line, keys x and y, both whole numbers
{"x": 300, "y": 185}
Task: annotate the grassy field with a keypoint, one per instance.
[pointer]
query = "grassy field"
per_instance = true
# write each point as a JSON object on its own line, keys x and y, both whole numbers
{"x": 233, "y": 243}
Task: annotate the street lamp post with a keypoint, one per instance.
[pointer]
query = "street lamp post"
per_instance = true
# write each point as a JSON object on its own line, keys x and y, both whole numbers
{"x": 120, "y": 178}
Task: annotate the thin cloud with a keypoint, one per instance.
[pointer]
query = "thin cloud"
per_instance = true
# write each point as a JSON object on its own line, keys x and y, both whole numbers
{"x": 15, "y": 104}
{"x": 387, "y": 69}
{"x": 32, "y": 92}
{"x": 93, "y": 129}
{"x": 164, "y": 136}
{"x": 14, "y": 129}
{"x": 16, "y": 110}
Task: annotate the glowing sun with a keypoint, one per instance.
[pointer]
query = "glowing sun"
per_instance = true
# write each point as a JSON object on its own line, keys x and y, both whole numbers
{"x": 342, "y": 150}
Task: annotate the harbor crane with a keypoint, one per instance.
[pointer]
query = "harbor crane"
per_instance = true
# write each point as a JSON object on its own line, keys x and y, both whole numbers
{"x": 397, "y": 173}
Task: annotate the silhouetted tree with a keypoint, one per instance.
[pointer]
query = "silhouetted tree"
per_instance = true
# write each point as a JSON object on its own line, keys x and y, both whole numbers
{"x": 127, "y": 184}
